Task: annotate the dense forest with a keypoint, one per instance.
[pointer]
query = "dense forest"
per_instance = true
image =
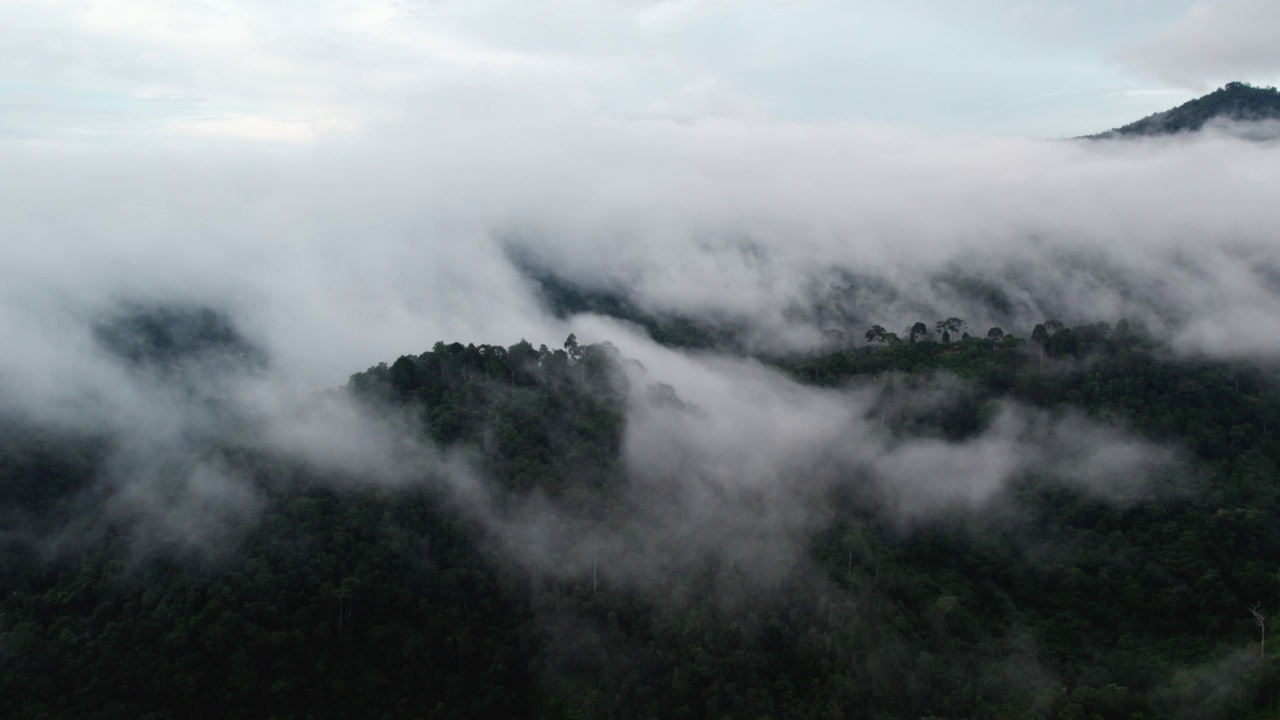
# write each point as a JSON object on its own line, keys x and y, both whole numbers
{"x": 342, "y": 598}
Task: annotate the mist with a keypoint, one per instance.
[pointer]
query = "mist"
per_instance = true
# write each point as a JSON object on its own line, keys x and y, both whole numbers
{"x": 336, "y": 258}
{"x": 254, "y": 463}
{"x": 331, "y": 259}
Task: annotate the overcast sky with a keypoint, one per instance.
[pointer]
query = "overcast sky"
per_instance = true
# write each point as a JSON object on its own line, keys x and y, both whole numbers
{"x": 307, "y": 71}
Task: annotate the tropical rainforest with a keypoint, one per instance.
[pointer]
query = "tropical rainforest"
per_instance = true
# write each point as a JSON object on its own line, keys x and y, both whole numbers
{"x": 384, "y": 601}
{"x": 725, "y": 422}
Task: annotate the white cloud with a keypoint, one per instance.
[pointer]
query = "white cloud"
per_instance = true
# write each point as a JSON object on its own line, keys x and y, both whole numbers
{"x": 668, "y": 12}
{"x": 250, "y": 126}
{"x": 344, "y": 180}
{"x": 262, "y": 70}
{"x": 180, "y": 25}
{"x": 1216, "y": 41}
{"x": 381, "y": 63}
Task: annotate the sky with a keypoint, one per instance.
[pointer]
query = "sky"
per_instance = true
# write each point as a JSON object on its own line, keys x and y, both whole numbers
{"x": 310, "y": 71}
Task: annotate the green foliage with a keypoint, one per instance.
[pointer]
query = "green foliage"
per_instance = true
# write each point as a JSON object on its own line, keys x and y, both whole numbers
{"x": 547, "y": 419}
{"x": 378, "y": 603}
{"x": 354, "y": 606}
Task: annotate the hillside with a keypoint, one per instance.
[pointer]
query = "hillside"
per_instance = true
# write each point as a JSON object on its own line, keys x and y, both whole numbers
{"x": 353, "y": 600}
{"x": 1235, "y": 101}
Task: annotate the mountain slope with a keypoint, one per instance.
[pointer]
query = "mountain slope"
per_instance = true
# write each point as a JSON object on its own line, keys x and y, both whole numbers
{"x": 347, "y": 600}
{"x": 1236, "y": 101}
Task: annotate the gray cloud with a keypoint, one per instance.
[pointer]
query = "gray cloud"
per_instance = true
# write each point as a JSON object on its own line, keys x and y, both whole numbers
{"x": 333, "y": 259}
{"x": 1217, "y": 41}
{"x": 736, "y": 464}
{"x": 1157, "y": 230}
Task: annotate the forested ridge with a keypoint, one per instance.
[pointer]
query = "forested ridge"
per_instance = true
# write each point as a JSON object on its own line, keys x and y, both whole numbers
{"x": 342, "y": 598}
{"x": 1235, "y": 101}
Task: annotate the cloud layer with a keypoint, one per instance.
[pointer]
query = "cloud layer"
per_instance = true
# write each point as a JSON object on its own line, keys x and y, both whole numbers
{"x": 329, "y": 70}
{"x": 335, "y": 258}
{"x": 1217, "y": 41}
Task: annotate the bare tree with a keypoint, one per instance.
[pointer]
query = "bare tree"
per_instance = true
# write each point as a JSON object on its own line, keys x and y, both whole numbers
{"x": 1261, "y": 621}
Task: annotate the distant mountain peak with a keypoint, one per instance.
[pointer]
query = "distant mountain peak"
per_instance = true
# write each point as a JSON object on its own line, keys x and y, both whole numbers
{"x": 1235, "y": 101}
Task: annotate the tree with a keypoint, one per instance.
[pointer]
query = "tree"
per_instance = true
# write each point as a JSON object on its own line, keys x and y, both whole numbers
{"x": 571, "y": 347}
{"x": 995, "y": 333}
{"x": 403, "y": 375}
{"x": 1261, "y": 622}
{"x": 951, "y": 326}
{"x": 877, "y": 334}
{"x": 917, "y": 332}
{"x": 1039, "y": 335}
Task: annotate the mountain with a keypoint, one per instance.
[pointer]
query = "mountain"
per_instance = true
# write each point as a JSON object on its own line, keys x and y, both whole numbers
{"x": 337, "y": 599}
{"x": 1235, "y": 101}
